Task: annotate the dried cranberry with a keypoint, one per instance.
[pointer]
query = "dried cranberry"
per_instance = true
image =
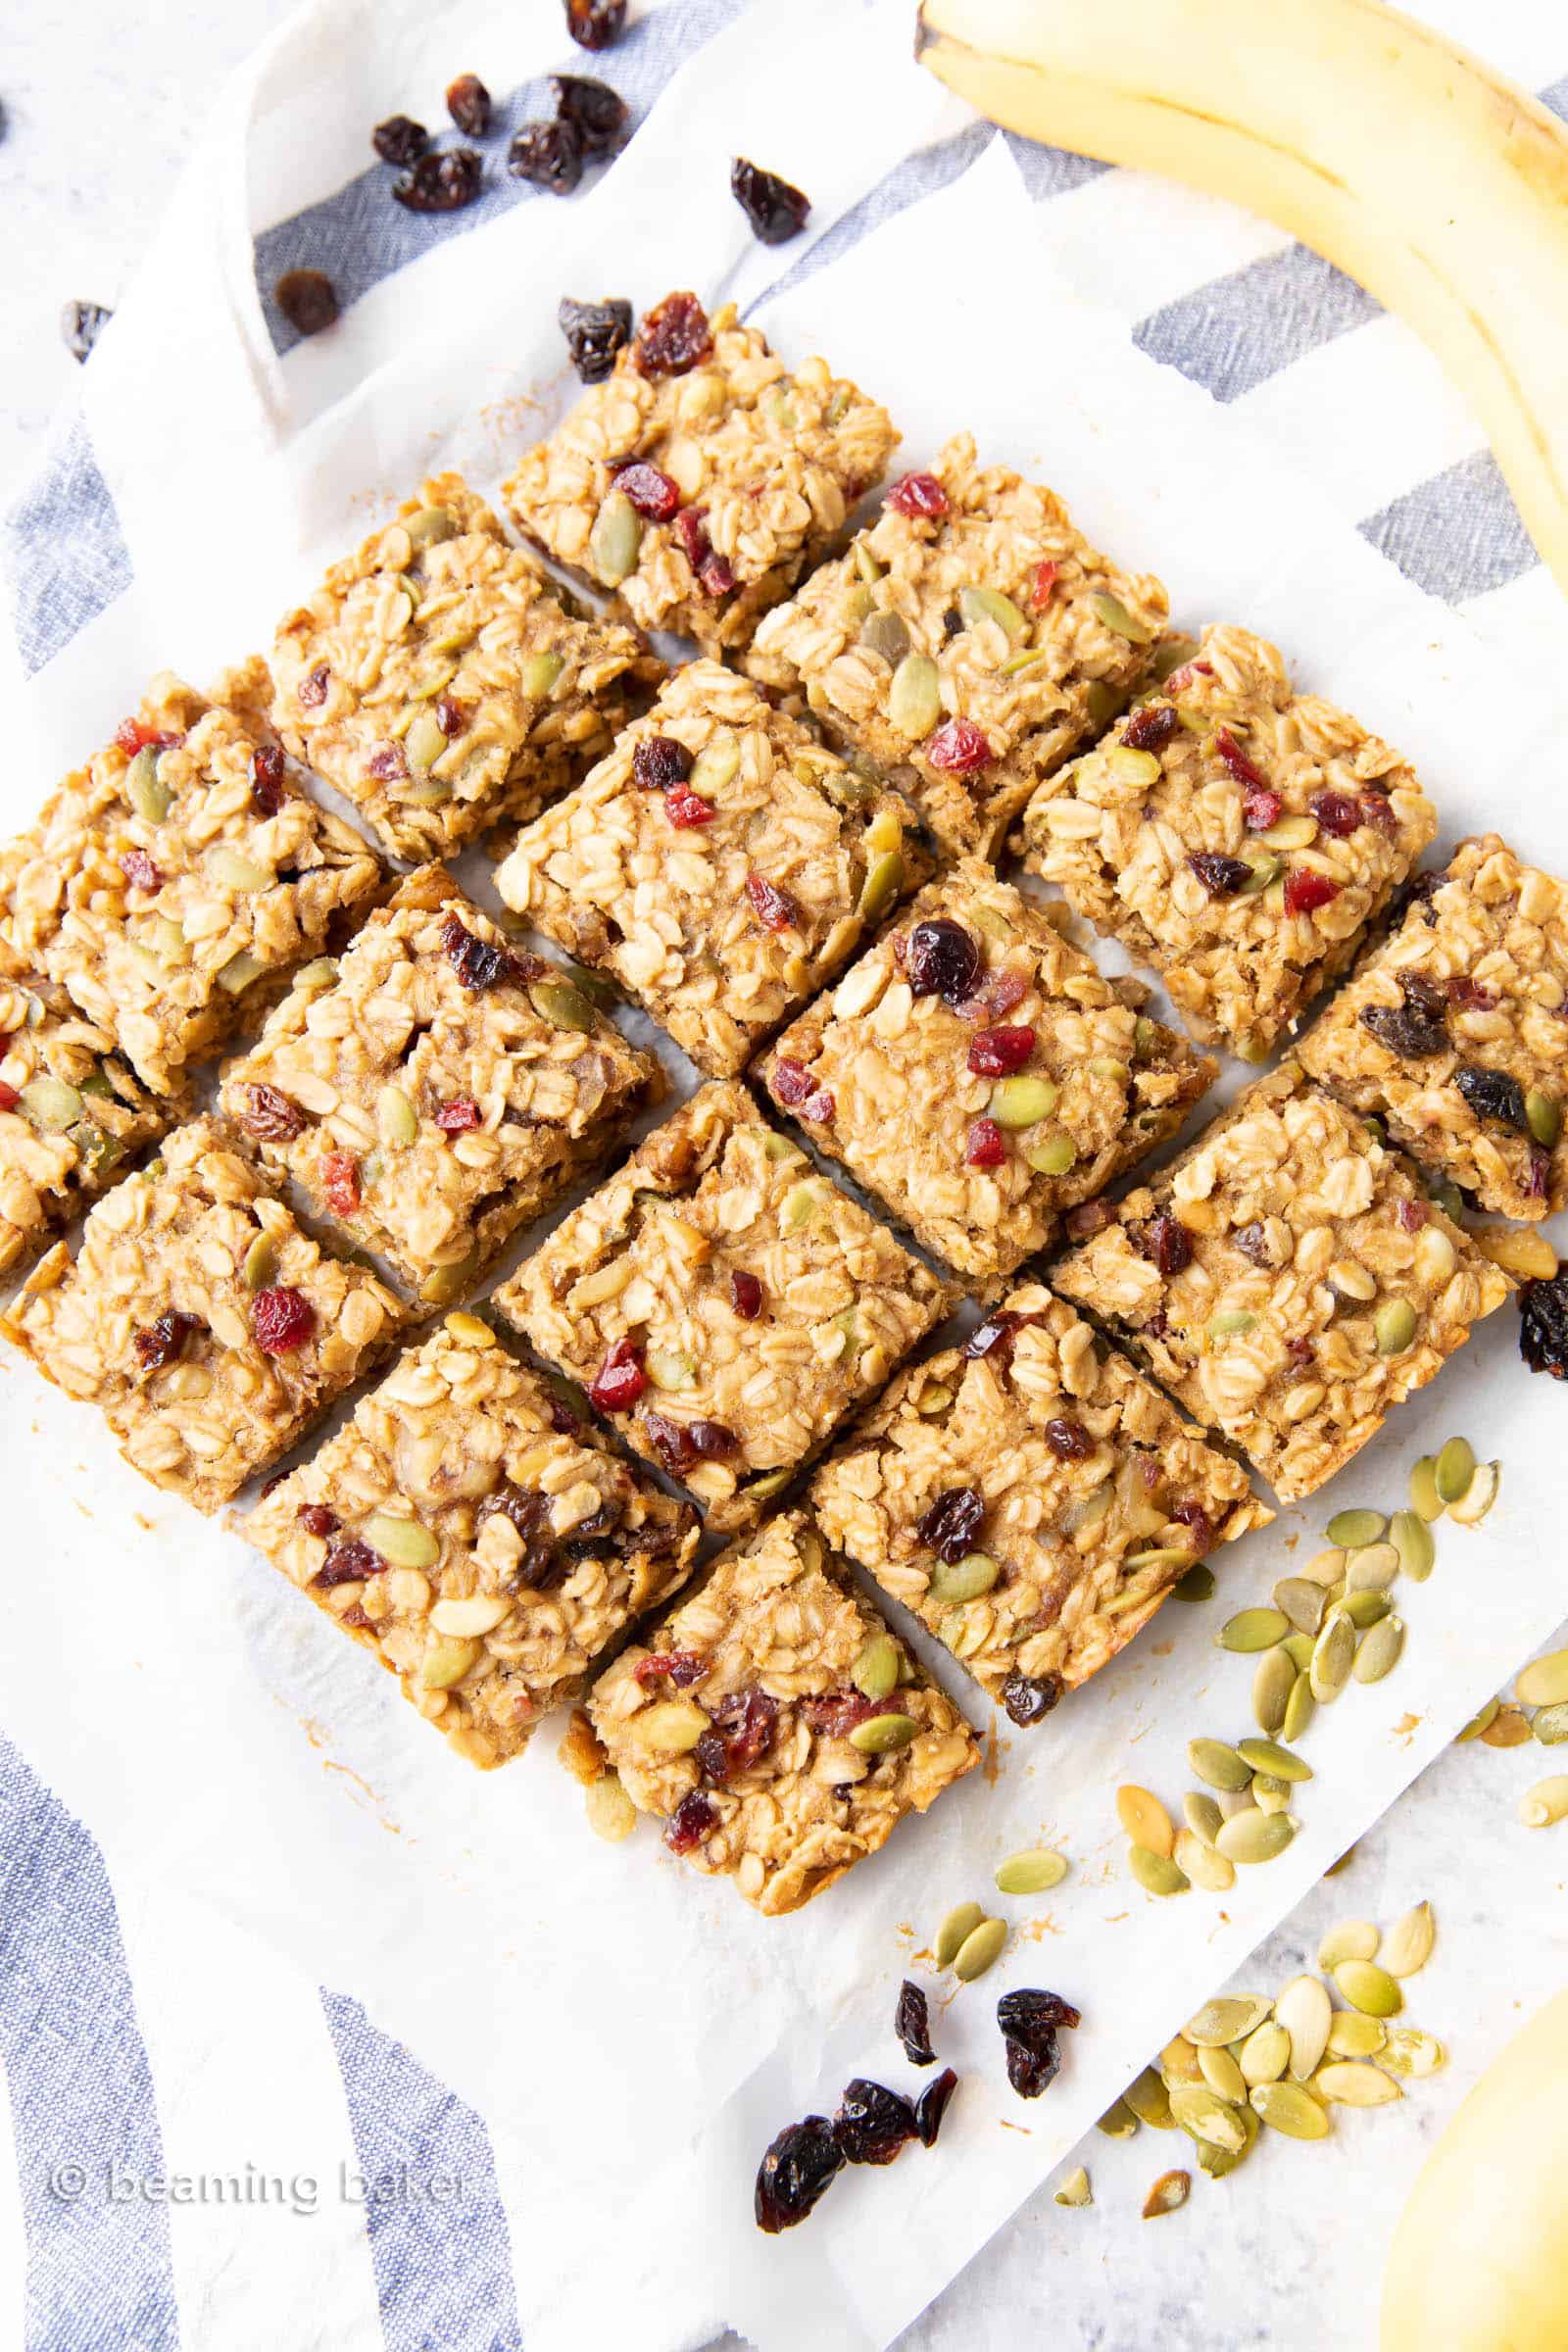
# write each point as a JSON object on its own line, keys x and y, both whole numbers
{"x": 681, "y": 1445}
{"x": 307, "y": 300}
{"x": 1029, "y": 1699}
{"x": 775, "y": 210}
{"x": 715, "y": 575}
{"x": 986, "y": 1146}
{"x": 773, "y": 907}
{"x": 1261, "y": 807}
{"x": 686, "y": 810}
{"x": 478, "y": 963}
{"x": 1472, "y": 996}
{"x": 1236, "y": 760}
{"x": 833, "y": 1713}
{"x": 1405, "y": 1029}
{"x": 660, "y": 762}
{"x": 469, "y": 105}
{"x": 139, "y": 870}
{"x": 313, "y": 687}
{"x": 791, "y": 1082}
{"x": 1044, "y": 584}
{"x": 950, "y": 1525}
{"x": 797, "y": 2168}
{"x": 1338, "y": 812}
{"x": 1413, "y": 1215}
{"x": 941, "y": 960}
{"x": 9, "y": 1097}
{"x": 1543, "y": 1325}
{"x": 131, "y": 737}
{"x": 996, "y": 1335}
{"x": 959, "y": 748}
{"x": 932, "y": 2106}
{"x": 918, "y": 494}
{"x": 1166, "y": 1243}
{"x": 441, "y": 183}
{"x": 271, "y": 1116}
{"x": 459, "y": 1117}
{"x": 746, "y": 1296}
{"x": 595, "y": 23}
{"x": 1007, "y": 989}
{"x": 451, "y": 715}
{"x": 548, "y": 155}
{"x": 164, "y": 1341}
{"x": 1221, "y": 876}
{"x": 1492, "y": 1093}
{"x": 400, "y": 139}
{"x": 744, "y": 1723}
{"x": 340, "y": 1183}
{"x": 872, "y": 2124}
{"x": 651, "y": 492}
{"x": 80, "y": 325}
{"x": 911, "y": 2023}
{"x": 994, "y": 1053}
{"x": 1068, "y": 1441}
{"x": 682, "y": 1667}
{"x": 594, "y": 331}
{"x": 317, "y": 1519}
{"x": 620, "y": 1378}
{"x": 1191, "y": 1514}
{"x": 597, "y": 113}
{"x": 282, "y": 1319}
{"x": 1306, "y": 890}
{"x": 673, "y": 337}
{"x": 267, "y": 779}
{"x": 350, "y": 1562}
{"x": 691, "y": 530}
{"x": 1148, "y": 728}
{"x": 695, "y": 1818}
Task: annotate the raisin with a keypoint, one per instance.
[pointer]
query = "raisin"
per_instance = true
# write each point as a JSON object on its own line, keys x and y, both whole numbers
{"x": 1068, "y": 1440}
{"x": 267, "y": 779}
{"x": 951, "y": 624}
{"x": 1306, "y": 890}
{"x": 1044, "y": 584}
{"x": 1029, "y": 2023}
{"x": 959, "y": 748}
{"x": 387, "y": 763}
{"x": 743, "y": 1730}
{"x": 773, "y": 907}
{"x": 1424, "y": 996}
{"x": 1253, "y": 1243}
{"x": 271, "y": 1116}
{"x": 682, "y": 1667}
{"x": 478, "y": 964}
{"x": 313, "y": 687}
{"x": 139, "y": 870}
{"x": 1221, "y": 876}
{"x": 350, "y": 1562}
{"x": 796, "y": 2168}
{"x": 986, "y": 1146}
{"x": 911, "y": 2023}
{"x": 548, "y": 155}
{"x": 1089, "y": 1217}
{"x": 80, "y": 325}
{"x": 317, "y": 1519}
{"x": 873, "y": 2123}
{"x": 1406, "y": 1029}
{"x": 400, "y": 139}
{"x": 597, "y": 113}
{"x": 941, "y": 960}
{"x": 932, "y": 2106}
{"x": 1148, "y": 728}
{"x": 775, "y": 210}
{"x": 594, "y": 331}
{"x": 681, "y": 1445}
{"x": 746, "y": 1296}
{"x": 695, "y": 1818}
{"x": 540, "y": 1564}
{"x": 595, "y": 23}
{"x": 166, "y": 1340}
{"x": 1338, "y": 812}
{"x": 1191, "y": 1514}
{"x": 307, "y": 300}
{"x": 994, "y": 1053}
{"x": 459, "y": 1117}
{"x": 1166, "y": 1243}
{"x": 620, "y": 1378}
{"x": 1028, "y": 1699}
{"x": 1236, "y": 760}
{"x": 340, "y": 1182}
{"x": 685, "y": 809}
{"x": 673, "y": 337}
{"x": 469, "y": 105}
{"x": 950, "y": 1525}
{"x": 918, "y": 494}
{"x": 995, "y": 1335}
{"x": 282, "y": 1319}
{"x": 651, "y": 492}
{"x": 1492, "y": 1093}
{"x": 441, "y": 183}
{"x": 1543, "y": 1325}
{"x": 660, "y": 762}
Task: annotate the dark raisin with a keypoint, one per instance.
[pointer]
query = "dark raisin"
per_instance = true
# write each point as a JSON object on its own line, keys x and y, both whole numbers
{"x": 350, "y": 1562}
{"x": 1492, "y": 1093}
{"x": 1068, "y": 1441}
{"x": 775, "y": 210}
{"x": 995, "y": 1335}
{"x": 594, "y": 331}
{"x": 911, "y": 2023}
{"x": 1190, "y": 1513}
{"x": 682, "y": 1667}
{"x": 951, "y": 624}
{"x": 695, "y": 1818}
{"x": 1253, "y": 1243}
{"x": 478, "y": 964}
{"x": 797, "y": 2168}
{"x": 80, "y": 325}
{"x": 141, "y": 870}
{"x": 743, "y": 1730}
{"x": 549, "y": 155}
{"x": 271, "y": 1116}
{"x": 1221, "y": 876}
{"x": 166, "y": 1340}
{"x": 932, "y": 2106}
{"x": 1148, "y": 728}
{"x": 267, "y": 779}
{"x": 469, "y": 105}
{"x": 1419, "y": 891}
{"x": 1029, "y": 2023}
{"x": 872, "y": 2124}
{"x": 441, "y": 183}
{"x": 282, "y": 1319}
{"x": 941, "y": 960}
{"x": 313, "y": 687}
{"x": 596, "y": 112}
{"x": 1026, "y": 2013}
{"x": 673, "y": 337}
{"x": 595, "y": 23}
{"x": 746, "y": 1295}
{"x": 317, "y": 1519}
{"x": 652, "y": 493}
{"x": 950, "y": 1525}
{"x": 1166, "y": 1243}
{"x": 1339, "y": 813}
{"x": 1543, "y": 1325}
{"x": 307, "y": 300}
{"x": 773, "y": 907}
{"x": 1405, "y": 1031}
{"x": 1028, "y": 1699}
{"x": 400, "y": 139}
{"x": 1089, "y": 1217}
{"x": 660, "y": 762}
{"x": 680, "y": 1444}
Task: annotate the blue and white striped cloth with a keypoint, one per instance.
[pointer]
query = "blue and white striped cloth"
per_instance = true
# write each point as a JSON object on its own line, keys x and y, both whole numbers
{"x": 121, "y": 2077}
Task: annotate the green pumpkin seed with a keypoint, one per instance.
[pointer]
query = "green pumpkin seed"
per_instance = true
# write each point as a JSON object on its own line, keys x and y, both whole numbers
{"x": 988, "y": 603}
{"x": 1407, "y": 1945}
{"x": 1075, "y": 2189}
{"x": 1231, "y": 1323}
{"x": 1372, "y": 1569}
{"x": 1221, "y": 1766}
{"x": 1290, "y": 2108}
{"x": 1543, "y": 1116}
{"x": 1364, "y": 1609}
{"x": 447, "y": 1660}
{"x": 1203, "y": 1863}
{"x": 875, "y": 1672}
{"x": 1378, "y": 1651}
{"x": 1425, "y": 1499}
{"x": 1017, "y": 665}
{"x": 1156, "y": 1874}
{"x": 887, "y": 634}
{"x": 1481, "y": 1721}
{"x": 1412, "y": 2054}
{"x": 1551, "y": 1726}
{"x": 1254, "y": 1835}
{"x": 1369, "y": 1988}
{"x": 1299, "y": 1708}
{"x": 396, "y": 1118}
{"x": 1114, "y": 616}
{"x": 1197, "y": 1585}
{"x": 563, "y": 1005}
{"x": 1022, "y": 1101}
{"x": 1230, "y": 2018}
{"x": 1414, "y": 1543}
{"x": 883, "y": 1735}
{"x": 1299, "y": 1648}
{"x": 1118, "y": 2121}
{"x": 430, "y": 525}
{"x": 1149, "y": 2101}
{"x": 1351, "y": 1529}
{"x": 230, "y": 871}
{"x": 539, "y": 674}
{"x": 1168, "y": 2192}
{"x": 982, "y": 1947}
{"x": 1453, "y": 1469}
{"x": 612, "y": 1815}
{"x": 1197, "y": 2111}
{"x": 425, "y": 741}
{"x": 145, "y": 790}
{"x": 1290, "y": 833}
{"x": 670, "y": 1727}
{"x": 1035, "y": 1871}
{"x": 865, "y": 563}
{"x": 1350, "y": 1939}
{"x": 615, "y": 540}
{"x": 50, "y": 1105}
{"x": 883, "y": 882}
{"x": 447, "y": 1283}
{"x": 954, "y": 1581}
{"x": 915, "y": 698}
{"x": 1201, "y": 1815}
{"x": 1547, "y": 1803}
{"x": 1394, "y": 1326}
{"x": 237, "y": 974}
{"x": 1178, "y": 2062}
{"x": 321, "y": 973}
{"x": 260, "y": 1263}
{"x": 1353, "y": 2036}
{"x": 1544, "y": 1683}
{"x": 1265, "y": 2053}
{"x": 1225, "y": 2078}
{"x": 1052, "y": 1155}
{"x": 1267, "y": 1755}
{"x": 716, "y": 764}
{"x": 668, "y": 1368}
{"x": 403, "y": 1541}
{"x": 1479, "y": 1495}
{"x": 1253, "y": 1630}
{"x": 1270, "y": 1796}
{"x": 1167, "y": 1556}
{"x": 1333, "y": 1658}
{"x": 1170, "y": 654}
{"x": 1303, "y": 1602}
{"x": 166, "y": 939}
{"x": 960, "y": 1923}
{"x": 1265, "y": 870}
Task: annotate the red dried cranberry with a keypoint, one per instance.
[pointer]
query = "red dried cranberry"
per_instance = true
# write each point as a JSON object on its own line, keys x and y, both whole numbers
{"x": 1191, "y": 1514}
{"x": 1543, "y": 1325}
{"x": 659, "y": 762}
{"x": 941, "y": 960}
{"x": 1029, "y": 1699}
{"x": 872, "y": 2124}
{"x": 959, "y": 748}
{"x": 1493, "y": 1094}
{"x": 595, "y": 23}
{"x": 546, "y": 155}
{"x": 1148, "y": 728}
{"x": 932, "y": 2106}
{"x": 918, "y": 494}
{"x": 746, "y": 1295}
{"x": 130, "y": 737}
{"x": 911, "y": 2023}
{"x": 773, "y": 907}
{"x": 469, "y": 105}
{"x": 441, "y": 183}
{"x": 1306, "y": 890}
{"x": 950, "y": 1525}
{"x": 682, "y": 1667}
{"x": 307, "y": 300}
{"x": 673, "y": 337}
{"x": 714, "y": 575}
{"x": 1338, "y": 812}
{"x": 1261, "y": 807}
{"x": 139, "y": 870}
{"x": 164, "y": 1341}
{"x": 1166, "y": 1243}
{"x": 340, "y": 1183}
{"x": 350, "y": 1562}
{"x": 777, "y": 210}
{"x": 790, "y": 1081}
{"x": 1413, "y": 1215}
{"x": 9, "y": 1097}
{"x": 598, "y": 115}
{"x": 744, "y": 1723}
{"x": 691, "y": 530}
{"x": 451, "y": 715}
{"x": 271, "y": 1115}
{"x": 1068, "y": 1441}
{"x": 1236, "y": 760}
{"x": 1044, "y": 584}
{"x": 987, "y": 1146}
{"x": 686, "y": 810}
{"x": 620, "y": 1378}
{"x": 994, "y": 1053}
{"x": 317, "y": 1519}
{"x": 400, "y": 139}
{"x": 1221, "y": 876}
{"x": 459, "y": 1117}
{"x": 282, "y": 1319}
{"x": 267, "y": 779}
{"x": 833, "y": 1713}
{"x": 996, "y": 1335}
{"x": 388, "y": 763}
{"x": 313, "y": 687}
{"x": 694, "y": 1819}
{"x": 651, "y": 492}
{"x": 796, "y": 2168}
{"x": 478, "y": 964}
{"x": 593, "y": 330}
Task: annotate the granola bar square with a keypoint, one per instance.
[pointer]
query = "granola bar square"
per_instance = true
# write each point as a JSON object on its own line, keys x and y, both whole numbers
{"x": 207, "y": 1325}
{"x": 73, "y": 1115}
{"x": 438, "y": 680}
{"x": 1032, "y": 1498}
{"x": 1237, "y": 835}
{"x": 439, "y": 1091}
{"x": 1287, "y": 1281}
{"x": 978, "y": 1074}
{"x": 728, "y": 1305}
{"x": 969, "y": 642}
{"x": 776, "y": 1725}
{"x": 702, "y": 478}
{"x": 721, "y": 866}
{"x": 1454, "y": 1031}
{"x": 173, "y": 885}
{"x": 477, "y": 1537}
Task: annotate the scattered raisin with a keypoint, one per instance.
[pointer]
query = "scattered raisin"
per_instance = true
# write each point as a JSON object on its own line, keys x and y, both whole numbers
{"x": 1166, "y": 1243}
{"x": 651, "y": 492}
{"x": 541, "y": 1564}
{"x": 80, "y": 325}
{"x": 911, "y": 2023}
{"x": 267, "y": 779}
{"x": 1089, "y": 1217}
{"x": 459, "y": 1117}
{"x": 681, "y": 1445}
{"x": 1543, "y": 1325}
{"x": 469, "y": 105}
{"x": 796, "y": 2168}
{"x": 773, "y": 907}
{"x": 673, "y": 337}
{"x": 775, "y": 210}
{"x": 1029, "y": 2023}
{"x": 1068, "y": 1441}
{"x": 1406, "y": 1029}
{"x": 695, "y": 1818}
{"x": 746, "y": 1296}
{"x": 1221, "y": 876}
{"x": 596, "y": 112}
{"x": 682, "y": 1667}
{"x": 872, "y": 2124}
{"x": 139, "y": 870}
{"x": 1148, "y": 728}
{"x": 1339, "y": 813}
{"x": 1492, "y": 1093}
{"x": 915, "y": 494}
{"x": 478, "y": 964}
{"x": 549, "y": 155}
{"x": 282, "y": 1319}
{"x": 959, "y": 748}
{"x": 313, "y": 687}
{"x": 660, "y": 762}
{"x": 1306, "y": 890}
{"x": 620, "y": 1378}
{"x": 594, "y": 331}
{"x": 1028, "y": 1699}
{"x": 1191, "y": 1514}
{"x": 744, "y": 1723}
{"x": 986, "y": 1146}
{"x": 307, "y": 300}
{"x": 950, "y": 1525}
{"x": 995, "y": 1335}
{"x": 271, "y": 1116}
{"x": 441, "y": 183}
{"x": 932, "y": 2106}
{"x": 166, "y": 1340}
{"x": 994, "y": 1053}
{"x": 317, "y": 1519}
{"x": 941, "y": 960}
{"x": 400, "y": 139}
{"x": 595, "y": 23}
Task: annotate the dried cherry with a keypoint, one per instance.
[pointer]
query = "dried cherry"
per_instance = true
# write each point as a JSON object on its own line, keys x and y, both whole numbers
{"x": 596, "y": 112}
{"x": 959, "y": 748}
{"x": 1165, "y": 1241}
{"x": 351, "y": 1562}
{"x": 798, "y": 2167}
{"x": 139, "y": 870}
{"x": 340, "y": 1182}
{"x": 400, "y": 139}
{"x": 313, "y": 687}
{"x": 267, "y": 779}
{"x": 949, "y": 1524}
{"x": 1044, "y": 584}
{"x": 1543, "y": 1325}
{"x": 996, "y": 1053}
{"x": 1030, "y": 2022}
{"x": 1339, "y": 813}
{"x": 1030, "y": 1699}
{"x": 911, "y": 2023}
{"x": 441, "y": 183}
{"x": 595, "y": 23}
{"x": 932, "y": 2106}
{"x": 317, "y": 1519}
{"x": 776, "y": 208}
{"x": 673, "y": 337}
{"x": 459, "y": 1117}
{"x": 995, "y": 1334}
{"x": 694, "y": 1819}
{"x": 986, "y": 1146}
{"x": 745, "y": 1294}
{"x": 1236, "y": 760}
{"x": 685, "y": 808}
{"x": 744, "y": 1723}
{"x": 873, "y": 2123}
{"x": 1306, "y": 890}
{"x": 594, "y": 331}
{"x": 307, "y": 300}
{"x": 469, "y": 105}
{"x": 548, "y": 155}
{"x": 653, "y": 494}
{"x": 620, "y": 1378}
{"x": 941, "y": 960}
{"x": 682, "y": 1667}
{"x": 918, "y": 494}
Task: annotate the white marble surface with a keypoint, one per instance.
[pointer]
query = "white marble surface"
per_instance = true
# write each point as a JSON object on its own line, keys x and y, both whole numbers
{"x": 100, "y": 104}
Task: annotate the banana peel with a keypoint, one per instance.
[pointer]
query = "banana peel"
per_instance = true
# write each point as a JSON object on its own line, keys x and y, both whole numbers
{"x": 1435, "y": 182}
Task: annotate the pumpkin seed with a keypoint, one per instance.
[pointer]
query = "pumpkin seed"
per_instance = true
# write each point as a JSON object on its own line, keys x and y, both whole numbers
{"x": 1022, "y": 1101}
{"x": 1303, "y": 1602}
{"x": 962, "y": 1579}
{"x": 1291, "y": 2108}
{"x": 1115, "y": 616}
{"x": 1350, "y": 1939}
{"x": 887, "y": 634}
{"x": 50, "y": 1105}
{"x": 1414, "y": 1544}
{"x": 1197, "y": 1585}
{"x": 430, "y": 525}
{"x": 1356, "y": 2085}
{"x": 1299, "y": 1708}
{"x": 1075, "y": 2189}
{"x": 1156, "y": 1874}
{"x": 1394, "y": 1326}
{"x": 1331, "y": 1659}
{"x": 1412, "y": 2054}
{"x": 396, "y": 1117}
{"x": 145, "y": 790}
{"x": 1216, "y": 2163}
{"x": 1425, "y": 1499}
{"x": 403, "y": 1541}
{"x": 1377, "y": 1652}
{"x": 1353, "y": 2036}
{"x": 1481, "y": 1721}
{"x": 1408, "y": 1947}
{"x": 1372, "y": 1569}
{"x": 1224, "y": 2076}
{"x": 1055, "y": 1155}
{"x": 1197, "y": 2111}
{"x": 1201, "y": 1815}
{"x": 1204, "y": 1864}
{"x": 1230, "y": 1323}
{"x": 981, "y": 1949}
{"x": 231, "y": 871}
{"x": 1221, "y": 1766}
{"x": 1149, "y": 2101}
{"x": 1544, "y": 1683}
{"x": 539, "y": 674}
{"x": 1265, "y": 2053}
{"x": 1551, "y": 1726}
{"x": 1545, "y": 1803}
{"x": 1299, "y": 1648}
{"x": 1325, "y": 1568}
{"x": 1267, "y": 1755}
{"x": 1452, "y": 1469}
{"x": 1369, "y": 1987}
{"x": 563, "y": 1005}
{"x": 1479, "y": 1495}
{"x": 1118, "y": 2121}
{"x": 959, "y": 1924}
{"x": 1351, "y": 1529}
{"x": 988, "y": 603}
{"x": 1232, "y": 2017}
{"x": 1030, "y": 659}
{"x": 1035, "y": 1871}
{"x": 1364, "y": 1608}
{"x": 875, "y": 1672}
{"x": 1290, "y": 833}
{"x": 616, "y": 537}
{"x": 716, "y": 764}
{"x": 884, "y": 880}
{"x": 883, "y": 1735}
{"x": 865, "y": 563}
{"x": 1543, "y": 1116}
{"x": 1509, "y": 1728}
{"x": 670, "y": 1727}
{"x": 448, "y": 1282}
{"x": 1272, "y": 1685}
{"x": 1178, "y": 2062}
{"x": 1305, "y": 2011}
{"x": 915, "y": 698}
{"x": 1171, "y": 2189}
{"x": 1270, "y": 1796}
{"x": 612, "y": 1815}
{"x": 1252, "y": 1630}
{"x": 260, "y": 1263}
{"x": 447, "y": 1660}
{"x": 668, "y": 1368}
{"x": 1253, "y": 1835}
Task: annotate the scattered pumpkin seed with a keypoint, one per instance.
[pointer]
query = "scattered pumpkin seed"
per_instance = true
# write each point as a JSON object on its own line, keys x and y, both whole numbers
{"x": 954, "y": 1581}
{"x": 1369, "y": 1987}
{"x": 1197, "y": 1585}
{"x": 1075, "y": 2189}
{"x": 981, "y": 1949}
{"x": 612, "y": 1815}
{"x": 865, "y": 563}
{"x": 1364, "y": 1608}
{"x": 883, "y": 1735}
{"x": 1267, "y": 1755}
{"x": 1424, "y": 1496}
{"x": 1178, "y": 2062}
{"x": 430, "y": 525}
{"x": 1325, "y": 1568}
{"x": 1229, "y": 2018}
{"x": 1350, "y": 1939}
{"x": 1149, "y": 2101}
{"x": 1253, "y": 1835}
{"x": 1509, "y": 1728}
{"x": 1196, "y": 2110}
{"x": 1201, "y": 1815}
{"x": 1353, "y": 2036}
{"x": 1270, "y": 1796}
{"x": 1299, "y": 1708}
{"x": 1331, "y": 1659}
{"x": 1543, "y": 1116}
{"x": 1411, "y": 2053}
{"x": 1394, "y": 1326}
{"x": 563, "y": 1005}
{"x": 1414, "y": 1546}
{"x": 1350, "y": 1528}
{"x": 233, "y": 872}
{"x": 1305, "y": 2011}
{"x": 875, "y": 1672}
{"x": 1224, "y": 2076}
{"x": 1377, "y": 1652}
{"x": 1214, "y": 2163}
{"x": 1408, "y": 1947}
{"x": 1291, "y": 2108}
{"x": 1203, "y": 1863}
{"x": 1052, "y": 1155}
{"x": 1479, "y": 1495}
{"x": 1168, "y": 2192}
{"x": 915, "y": 698}
{"x": 1451, "y": 1471}
{"x": 1272, "y": 1685}
{"x": 616, "y": 539}
{"x": 1022, "y": 1101}
{"x": 886, "y": 634}
{"x": 1221, "y": 1766}
{"x": 959, "y": 1924}
{"x": 1371, "y": 1569}
{"x": 1145, "y": 1818}
{"x": 1034, "y": 1871}
{"x": 1551, "y": 1726}
{"x": 1544, "y": 1683}
{"x": 1350, "y": 2085}
{"x": 1481, "y": 1721}
{"x": 1115, "y": 616}
{"x": 1118, "y": 2121}
{"x": 1252, "y": 1630}
{"x": 1299, "y": 1648}
{"x": 1545, "y": 1803}
{"x": 1156, "y": 1874}
{"x": 261, "y": 1263}
{"x": 1302, "y": 1603}
{"x": 988, "y": 603}
{"x": 1265, "y": 2053}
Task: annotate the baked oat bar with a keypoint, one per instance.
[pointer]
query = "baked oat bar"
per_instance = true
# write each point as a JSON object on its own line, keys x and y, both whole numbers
{"x": 477, "y": 1538}
{"x": 776, "y": 1725}
{"x": 1456, "y": 1031}
{"x": 968, "y": 642}
{"x": 73, "y": 1116}
{"x": 438, "y": 681}
{"x": 439, "y": 1090}
{"x": 1032, "y": 1498}
{"x": 208, "y": 1327}
{"x": 1237, "y": 835}
{"x": 1287, "y": 1281}
{"x": 724, "y": 1303}
{"x": 719, "y": 864}
{"x": 173, "y": 885}
{"x": 976, "y": 1072}
{"x": 701, "y": 479}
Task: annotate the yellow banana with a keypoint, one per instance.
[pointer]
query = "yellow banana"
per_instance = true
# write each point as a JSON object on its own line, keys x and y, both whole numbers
{"x": 1408, "y": 163}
